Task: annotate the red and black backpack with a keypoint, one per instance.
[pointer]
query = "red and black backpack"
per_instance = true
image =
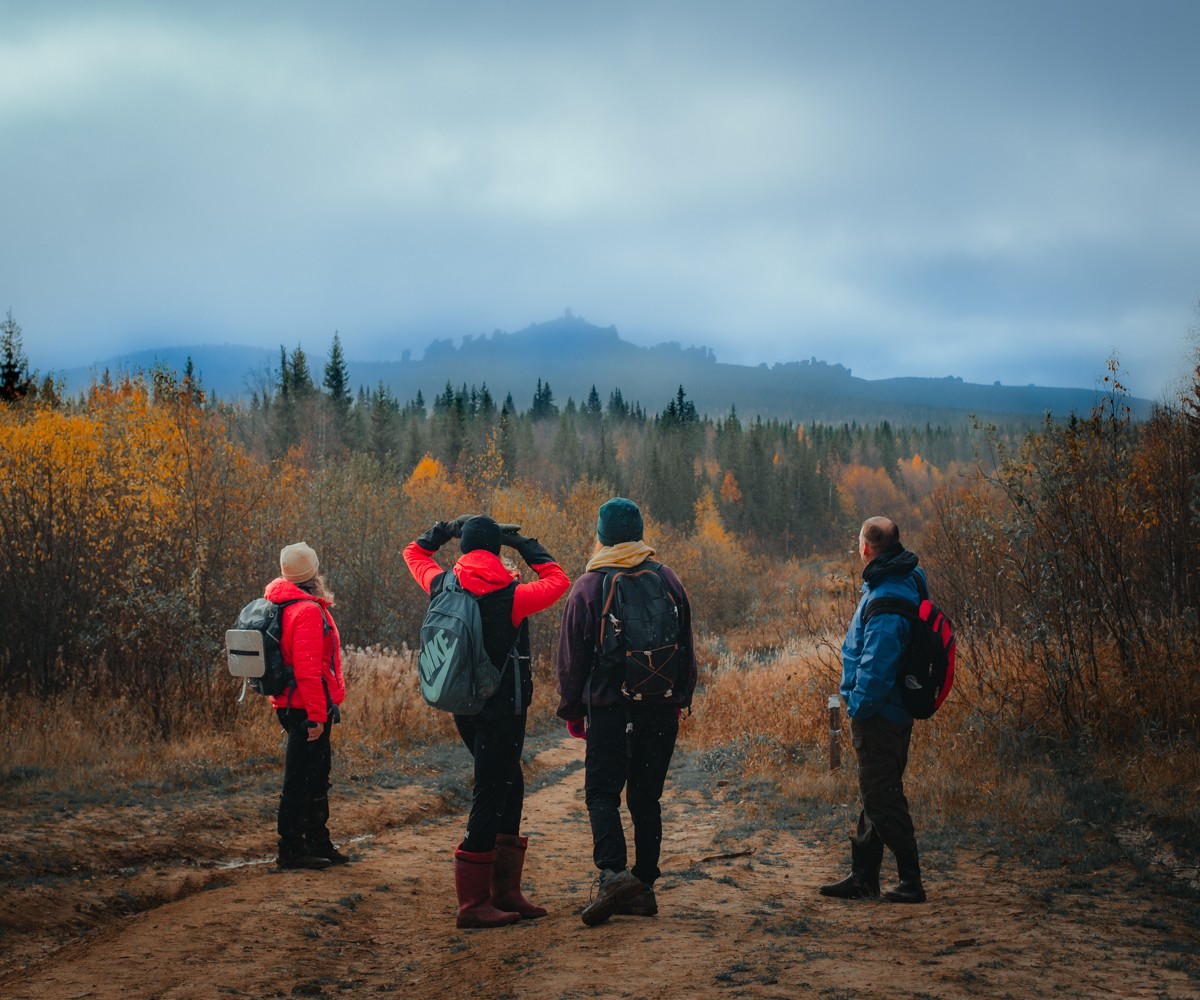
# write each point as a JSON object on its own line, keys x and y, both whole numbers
{"x": 926, "y": 671}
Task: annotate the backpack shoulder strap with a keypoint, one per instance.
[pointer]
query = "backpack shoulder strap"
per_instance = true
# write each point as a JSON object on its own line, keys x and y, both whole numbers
{"x": 898, "y": 605}
{"x": 658, "y": 571}
{"x": 296, "y": 600}
{"x": 607, "y": 574}
{"x": 890, "y": 606}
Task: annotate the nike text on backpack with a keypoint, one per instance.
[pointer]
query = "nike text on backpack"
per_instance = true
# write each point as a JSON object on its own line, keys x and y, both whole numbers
{"x": 927, "y": 666}
{"x": 253, "y": 651}
{"x": 455, "y": 671}
{"x": 639, "y": 633}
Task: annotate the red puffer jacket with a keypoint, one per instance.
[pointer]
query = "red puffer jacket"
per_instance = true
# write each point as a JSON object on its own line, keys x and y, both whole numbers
{"x": 315, "y": 654}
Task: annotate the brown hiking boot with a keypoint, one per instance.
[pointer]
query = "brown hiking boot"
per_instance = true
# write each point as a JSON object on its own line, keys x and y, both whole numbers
{"x": 612, "y": 890}
{"x": 643, "y": 905}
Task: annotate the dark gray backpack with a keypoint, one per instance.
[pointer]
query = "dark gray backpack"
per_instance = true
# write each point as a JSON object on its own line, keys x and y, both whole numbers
{"x": 455, "y": 671}
{"x": 639, "y": 636}
{"x": 253, "y": 650}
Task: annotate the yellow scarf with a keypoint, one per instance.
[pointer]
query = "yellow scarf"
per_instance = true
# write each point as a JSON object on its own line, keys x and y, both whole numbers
{"x": 625, "y": 555}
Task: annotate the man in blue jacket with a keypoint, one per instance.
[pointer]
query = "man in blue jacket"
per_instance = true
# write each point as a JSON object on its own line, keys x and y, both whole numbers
{"x": 880, "y": 727}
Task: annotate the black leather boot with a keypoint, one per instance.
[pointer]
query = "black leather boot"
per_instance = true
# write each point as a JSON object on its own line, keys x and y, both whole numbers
{"x": 316, "y": 832}
{"x": 910, "y": 890}
{"x": 863, "y": 880}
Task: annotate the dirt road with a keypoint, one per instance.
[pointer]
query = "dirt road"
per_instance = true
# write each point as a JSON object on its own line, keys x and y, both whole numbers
{"x": 740, "y": 917}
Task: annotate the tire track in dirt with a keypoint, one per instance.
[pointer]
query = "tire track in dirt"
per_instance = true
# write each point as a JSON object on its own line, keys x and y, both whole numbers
{"x": 739, "y": 916}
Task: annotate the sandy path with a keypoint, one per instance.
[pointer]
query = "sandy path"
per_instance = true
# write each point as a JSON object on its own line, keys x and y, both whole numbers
{"x": 746, "y": 926}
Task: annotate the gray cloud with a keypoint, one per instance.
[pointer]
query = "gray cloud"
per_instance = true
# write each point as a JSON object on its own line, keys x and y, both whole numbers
{"x": 997, "y": 192}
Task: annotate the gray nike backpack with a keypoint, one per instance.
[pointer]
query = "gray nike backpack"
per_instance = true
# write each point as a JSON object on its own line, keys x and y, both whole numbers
{"x": 455, "y": 671}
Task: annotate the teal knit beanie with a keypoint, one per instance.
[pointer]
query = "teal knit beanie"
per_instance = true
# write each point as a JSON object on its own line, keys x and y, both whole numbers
{"x": 619, "y": 521}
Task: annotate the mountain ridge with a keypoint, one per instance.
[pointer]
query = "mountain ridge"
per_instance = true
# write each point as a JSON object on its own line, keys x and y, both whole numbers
{"x": 571, "y": 356}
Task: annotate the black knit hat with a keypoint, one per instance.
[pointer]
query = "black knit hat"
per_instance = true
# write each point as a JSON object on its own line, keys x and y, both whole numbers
{"x": 481, "y": 532}
{"x": 619, "y": 521}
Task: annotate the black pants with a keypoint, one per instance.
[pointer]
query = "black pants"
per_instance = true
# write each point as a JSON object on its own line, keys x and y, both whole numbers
{"x": 637, "y": 761}
{"x": 304, "y": 803}
{"x": 882, "y": 750}
{"x": 498, "y": 793}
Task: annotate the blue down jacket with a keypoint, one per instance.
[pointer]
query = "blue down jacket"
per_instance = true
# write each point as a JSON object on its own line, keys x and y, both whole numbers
{"x": 871, "y": 653}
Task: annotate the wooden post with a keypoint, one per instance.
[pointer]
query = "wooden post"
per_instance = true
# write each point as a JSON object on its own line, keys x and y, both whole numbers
{"x": 835, "y": 733}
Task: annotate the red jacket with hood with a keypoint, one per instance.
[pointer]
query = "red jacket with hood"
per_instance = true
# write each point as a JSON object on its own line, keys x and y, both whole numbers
{"x": 312, "y": 647}
{"x": 481, "y": 572}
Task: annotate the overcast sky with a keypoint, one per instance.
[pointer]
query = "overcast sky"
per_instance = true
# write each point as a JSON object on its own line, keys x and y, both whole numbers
{"x": 1000, "y": 191}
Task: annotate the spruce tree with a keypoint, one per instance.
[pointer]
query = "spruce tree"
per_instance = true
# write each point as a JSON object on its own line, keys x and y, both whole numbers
{"x": 337, "y": 384}
{"x": 16, "y": 381}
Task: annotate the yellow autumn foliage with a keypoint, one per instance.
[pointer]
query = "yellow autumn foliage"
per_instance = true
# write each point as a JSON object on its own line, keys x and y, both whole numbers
{"x": 435, "y": 495}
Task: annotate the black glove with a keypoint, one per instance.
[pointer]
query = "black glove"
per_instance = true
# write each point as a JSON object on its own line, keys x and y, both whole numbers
{"x": 437, "y": 536}
{"x": 456, "y": 526}
{"x": 529, "y": 549}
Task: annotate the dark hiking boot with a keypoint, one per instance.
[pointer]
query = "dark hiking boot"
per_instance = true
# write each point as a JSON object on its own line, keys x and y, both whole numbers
{"x": 612, "y": 890}
{"x": 853, "y": 886}
{"x": 863, "y": 880}
{"x": 643, "y": 905}
{"x": 330, "y": 853}
{"x": 910, "y": 889}
{"x": 304, "y": 860}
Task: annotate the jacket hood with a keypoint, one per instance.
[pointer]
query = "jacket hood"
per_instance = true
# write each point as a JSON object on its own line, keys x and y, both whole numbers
{"x": 279, "y": 590}
{"x": 897, "y": 561}
{"x": 482, "y": 572}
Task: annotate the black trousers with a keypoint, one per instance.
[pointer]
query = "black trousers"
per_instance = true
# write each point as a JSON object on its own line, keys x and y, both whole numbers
{"x": 882, "y": 750}
{"x": 637, "y": 761}
{"x": 498, "y": 791}
{"x": 304, "y": 802}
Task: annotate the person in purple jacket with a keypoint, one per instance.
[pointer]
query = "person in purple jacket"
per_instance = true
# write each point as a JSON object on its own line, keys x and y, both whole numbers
{"x": 630, "y": 740}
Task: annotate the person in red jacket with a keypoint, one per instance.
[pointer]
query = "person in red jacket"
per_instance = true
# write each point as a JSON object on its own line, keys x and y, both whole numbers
{"x": 306, "y": 710}
{"x": 489, "y": 860}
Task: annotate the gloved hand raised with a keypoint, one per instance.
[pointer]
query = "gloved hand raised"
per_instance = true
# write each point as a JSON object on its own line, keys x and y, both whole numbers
{"x": 529, "y": 549}
{"x": 456, "y": 526}
{"x": 437, "y": 536}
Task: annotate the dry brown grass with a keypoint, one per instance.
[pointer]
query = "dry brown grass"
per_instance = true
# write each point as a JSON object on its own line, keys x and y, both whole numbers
{"x": 72, "y": 741}
{"x": 383, "y": 702}
{"x": 782, "y": 700}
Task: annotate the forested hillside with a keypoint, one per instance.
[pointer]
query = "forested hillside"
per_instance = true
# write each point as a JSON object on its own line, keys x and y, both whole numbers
{"x": 772, "y": 481}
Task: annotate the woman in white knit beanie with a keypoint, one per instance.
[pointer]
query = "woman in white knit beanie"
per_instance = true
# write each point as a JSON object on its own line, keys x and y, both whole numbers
{"x": 307, "y": 709}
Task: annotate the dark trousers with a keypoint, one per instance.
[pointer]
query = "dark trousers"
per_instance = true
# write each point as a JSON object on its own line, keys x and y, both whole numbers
{"x": 498, "y": 793}
{"x": 882, "y": 750}
{"x": 304, "y": 802}
{"x": 636, "y": 761}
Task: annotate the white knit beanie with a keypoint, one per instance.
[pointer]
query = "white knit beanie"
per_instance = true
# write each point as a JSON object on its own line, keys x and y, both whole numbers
{"x": 298, "y": 562}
